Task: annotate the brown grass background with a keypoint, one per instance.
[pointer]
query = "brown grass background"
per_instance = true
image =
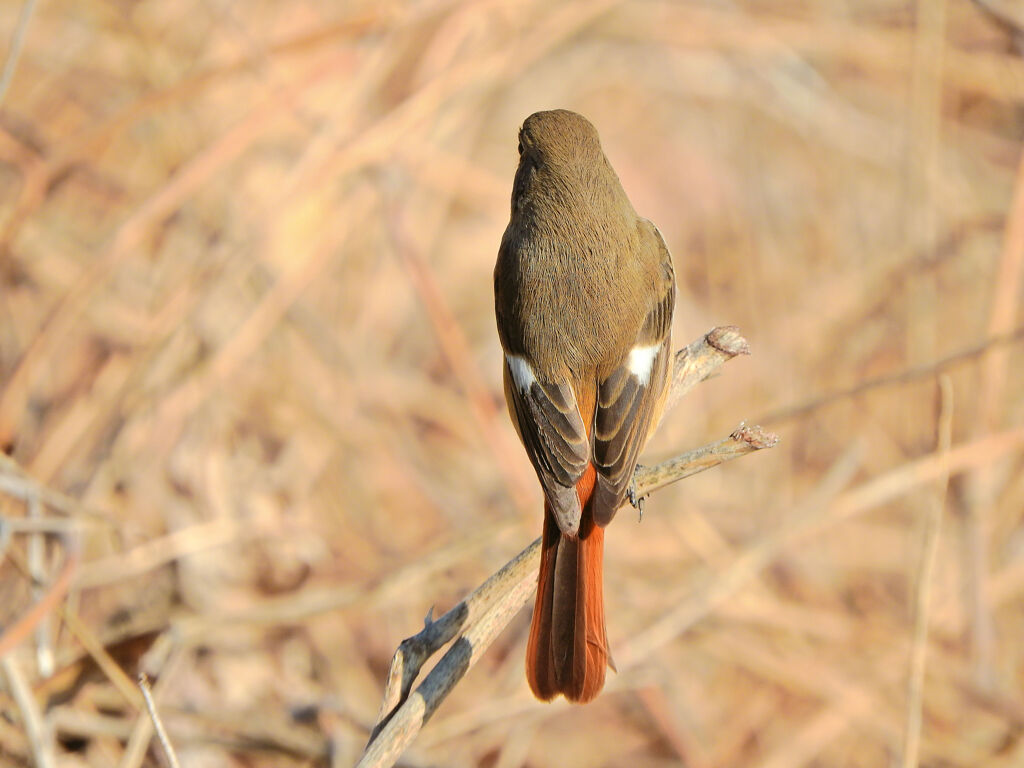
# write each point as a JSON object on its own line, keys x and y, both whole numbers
{"x": 249, "y": 372}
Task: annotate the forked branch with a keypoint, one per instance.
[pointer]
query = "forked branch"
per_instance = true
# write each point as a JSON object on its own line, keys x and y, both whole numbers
{"x": 478, "y": 619}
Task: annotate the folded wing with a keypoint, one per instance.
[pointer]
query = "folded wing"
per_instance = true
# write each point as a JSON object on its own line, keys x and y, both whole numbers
{"x": 629, "y": 398}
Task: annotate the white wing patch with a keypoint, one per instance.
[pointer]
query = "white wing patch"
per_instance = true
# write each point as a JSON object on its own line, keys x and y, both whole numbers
{"x": 522, "y": 373}
{"x": 641, "y": 360}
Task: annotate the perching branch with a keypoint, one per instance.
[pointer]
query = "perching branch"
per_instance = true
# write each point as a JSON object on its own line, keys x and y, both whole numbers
{"x": 488, "y": 609}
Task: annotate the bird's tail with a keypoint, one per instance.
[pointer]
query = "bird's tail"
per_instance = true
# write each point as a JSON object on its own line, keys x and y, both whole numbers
{"x": 568, "y": 648}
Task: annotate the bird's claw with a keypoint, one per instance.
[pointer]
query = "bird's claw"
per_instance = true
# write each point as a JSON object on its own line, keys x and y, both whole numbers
{"x": 636, "y": 500}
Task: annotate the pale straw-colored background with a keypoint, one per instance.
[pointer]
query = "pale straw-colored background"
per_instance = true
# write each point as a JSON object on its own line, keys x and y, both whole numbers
{"x": 246, "y": 326}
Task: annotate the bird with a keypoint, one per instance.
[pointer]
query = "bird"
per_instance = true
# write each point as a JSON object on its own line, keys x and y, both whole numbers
{"x": 584, "y": 292}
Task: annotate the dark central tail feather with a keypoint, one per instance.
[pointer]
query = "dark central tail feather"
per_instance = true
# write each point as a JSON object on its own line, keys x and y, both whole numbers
{"x": 568, "y": 647}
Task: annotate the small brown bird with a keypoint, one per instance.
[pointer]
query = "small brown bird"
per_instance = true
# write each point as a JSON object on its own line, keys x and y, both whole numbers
{"x": 584, "y": 293}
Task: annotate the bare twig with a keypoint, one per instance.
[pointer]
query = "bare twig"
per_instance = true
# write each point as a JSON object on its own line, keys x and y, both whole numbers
{"x": 414, "y": 651}
{"x": 401, "y": 729}
{"x": 17, "y": 41}
{"x": 143, "y": 728}
{"x": 159, "y": 551}
{"x": 100, "y": 655}
{"x": 41, "y": 742}
{"x": 932, "y": 528}
{"x": 742, "y": 441}
{"x": 913, "y": 373}
{"x": 17, "y": 482}
{"x": 700, "y": 359}
{"x": 161, "y": 733}
{"x": 482, "y": 615}
{"x": 38, "y": 525}
{"x": 982, "y": 488}
{"x": 20, "y": 629}
{"x": 37, "y": 573}
{"x": 79, "y": 629}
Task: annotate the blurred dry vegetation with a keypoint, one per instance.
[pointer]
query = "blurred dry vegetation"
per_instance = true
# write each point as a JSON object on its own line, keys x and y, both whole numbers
{"x": 250, "y": 381}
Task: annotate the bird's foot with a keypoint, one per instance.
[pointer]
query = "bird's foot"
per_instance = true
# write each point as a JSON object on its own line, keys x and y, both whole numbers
{"x": 634, "y": 498}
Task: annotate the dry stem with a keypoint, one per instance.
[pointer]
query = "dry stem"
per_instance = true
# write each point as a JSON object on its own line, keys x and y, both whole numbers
{"x": 38, "y": 735}
{"x": 922, "y": 602}
{"x": 161, "y": 732}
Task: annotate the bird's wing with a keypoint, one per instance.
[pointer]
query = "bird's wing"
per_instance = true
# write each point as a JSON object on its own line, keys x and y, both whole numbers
{"x": 547, "y": 418}
{"x": 629, "y": 398}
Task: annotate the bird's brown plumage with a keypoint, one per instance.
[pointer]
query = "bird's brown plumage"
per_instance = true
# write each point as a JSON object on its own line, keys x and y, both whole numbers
{"x": 584, "y": 295}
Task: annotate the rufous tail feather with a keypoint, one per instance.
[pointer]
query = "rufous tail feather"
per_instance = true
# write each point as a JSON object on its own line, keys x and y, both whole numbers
{"x": 567, "y": 651}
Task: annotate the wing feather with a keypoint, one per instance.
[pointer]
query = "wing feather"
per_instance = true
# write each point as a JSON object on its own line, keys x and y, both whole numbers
{"x": 628, "y": 399}
{"x": 549, "y": 423}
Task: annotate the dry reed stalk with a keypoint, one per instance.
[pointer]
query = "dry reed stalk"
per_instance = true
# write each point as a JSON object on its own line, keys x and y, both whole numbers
{"x": 39, "y": 733}
{"x": 925, "y": 574}
{"x": 992, "y": 387}
{"x": 158, "y": 725}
